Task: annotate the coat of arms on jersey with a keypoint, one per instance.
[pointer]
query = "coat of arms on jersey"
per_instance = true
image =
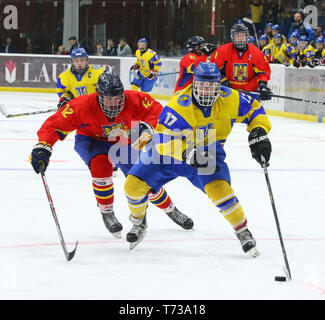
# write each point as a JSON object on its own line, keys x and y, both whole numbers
{"x": 240, "y": 71}
{"x": 10, "y": 71}
{"x": 184, "y": 100}
{"x": 203, "y": 132}
{"x": 114, "y": 130}
{"x": 81, "y": 91}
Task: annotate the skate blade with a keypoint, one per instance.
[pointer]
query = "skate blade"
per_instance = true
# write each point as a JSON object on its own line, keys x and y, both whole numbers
{"x": 134, "y": 244}
{"x": 117, "y": 235}
{"x": 253, "y": 252}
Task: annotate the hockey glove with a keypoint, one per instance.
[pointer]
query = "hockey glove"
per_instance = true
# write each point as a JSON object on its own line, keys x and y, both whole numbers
{"x": 296, "y": 63}
{"x": 313, "y": 63}
{"x": 265, "y": 91}
{"x": 141, "y": 135}
{"x": 152, "y": 75}
{"x": 40, "y": 156}
{"x": 225, "y": 82}
{"x": 199, "y": 158}
{"x": 260, "y": 145}
{"x": 63, "y": 101}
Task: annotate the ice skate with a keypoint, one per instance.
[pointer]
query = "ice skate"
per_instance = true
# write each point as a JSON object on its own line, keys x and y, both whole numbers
{"x": 181, "y": 219}
{"x": 247, "y": 241}
{"x": 138, "y": 231}
{"x": 112, "y": 224}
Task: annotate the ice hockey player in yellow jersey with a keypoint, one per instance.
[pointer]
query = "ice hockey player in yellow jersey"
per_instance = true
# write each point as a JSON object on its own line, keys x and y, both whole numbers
{"x": 146, "y": 67}
{"x": 190, "y": 134}
{"x": 78, "y": 80}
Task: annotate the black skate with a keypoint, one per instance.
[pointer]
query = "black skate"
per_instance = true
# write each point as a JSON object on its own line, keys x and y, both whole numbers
{"x": 247, "y": 241}
{"x": 138, "y": 231}
{"x": 112, "y": 224}
{"x": 181, "y": 219}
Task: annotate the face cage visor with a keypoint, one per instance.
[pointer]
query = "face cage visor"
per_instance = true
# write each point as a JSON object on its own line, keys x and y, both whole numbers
{"x": 206, "y": 92}
{"x": 79, "y": 70}
{"x": 240, "y": 39}
{"x": 111, "y": 106}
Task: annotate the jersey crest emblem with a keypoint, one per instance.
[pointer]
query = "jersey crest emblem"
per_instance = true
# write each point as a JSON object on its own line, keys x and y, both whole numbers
{"x": 184, "y": 100}
{"x": 240, "y": 71}
{"x": 113, "y": 130}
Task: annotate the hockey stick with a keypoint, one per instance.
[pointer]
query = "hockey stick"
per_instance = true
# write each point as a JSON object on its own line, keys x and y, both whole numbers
{"x": 166, "y": 74}
{"x": 286, "y": 268}
{"x": 289, "y": 98}
{"x": 68, "y": 255}
{"x": 252, "y": 23}
{"x": 8, "y": 115}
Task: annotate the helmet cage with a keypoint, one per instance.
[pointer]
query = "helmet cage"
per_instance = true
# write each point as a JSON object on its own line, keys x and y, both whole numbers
{"x": 243, "y": 35}
{"x": 111, "y": 105}
{"x": 206, "y": 92}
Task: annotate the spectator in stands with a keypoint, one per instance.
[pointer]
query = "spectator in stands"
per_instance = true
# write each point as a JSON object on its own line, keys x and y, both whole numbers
{"x": 303, "y": 28}
{"x": 74, "y": 43}
{"x": 267, "y": 11}
{"x": 29, "y": 46}
{"x": 61, "y": 50}
{"x": 100, "y": 50}
{"x": 9, "y": 46}
{"x": 255, "y": 12}
{"x": 279, "y": 11}
{"x": 123, "y": 49}
{"x": 111, "y": 48}
{"x": 319, "y": 31}
{"x": 170, "y": 50}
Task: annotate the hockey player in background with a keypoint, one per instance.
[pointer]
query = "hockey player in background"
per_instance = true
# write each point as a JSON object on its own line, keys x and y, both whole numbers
{"x": 103, "y": 121}
{"x": 189, "y": 140}
{"x": 305, "y": 53}
{"x": 319, "y": 58}
{"x": 242, "y": 65}
{"x": 197, "y": 51}
{"x": 80, "y": 79}
{"x": 266, "y": 48}
{"x": 146, "y": 68}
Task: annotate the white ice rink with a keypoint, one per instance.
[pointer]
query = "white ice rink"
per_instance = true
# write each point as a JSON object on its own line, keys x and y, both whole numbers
{"x": 171, "y": 263}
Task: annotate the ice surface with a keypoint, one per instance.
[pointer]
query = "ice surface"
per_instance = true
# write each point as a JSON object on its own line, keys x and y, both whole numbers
{"x": 171, "y": 263}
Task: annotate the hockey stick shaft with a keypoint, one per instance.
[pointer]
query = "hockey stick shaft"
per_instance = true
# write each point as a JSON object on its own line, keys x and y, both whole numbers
{"x": 68, "y": 255}
{"x": 166, "y": 74}
{"x": 289, "y": 98}
{"x": 28, "y": 113}
{"x": 287, "y": 268}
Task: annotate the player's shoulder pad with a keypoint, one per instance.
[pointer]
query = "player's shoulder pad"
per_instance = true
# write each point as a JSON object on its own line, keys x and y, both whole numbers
{"x": 95, "y": 67}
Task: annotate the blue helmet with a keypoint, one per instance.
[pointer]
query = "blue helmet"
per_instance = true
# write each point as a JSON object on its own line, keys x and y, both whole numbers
{"x": 251, "y": 40}
{"x": 276, "y": 27}
{"x": 294, "y": 34}
{"x": 269, "y": 25}
{"x": 319, "y": 40}
{"x": 143, "y": 40}
{"x": 206, "y": 83}
{"x": 263, "y": 37}
{"x": 78, "y": 53}
{"x": 303, "y": 39}
{"x": 278, "y": 36}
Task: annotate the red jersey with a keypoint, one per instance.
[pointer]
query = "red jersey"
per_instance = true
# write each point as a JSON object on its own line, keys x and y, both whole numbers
{"x": 187, "y": 65}
{"x": 85, "y": 115}
{"x": 243, "y": 71}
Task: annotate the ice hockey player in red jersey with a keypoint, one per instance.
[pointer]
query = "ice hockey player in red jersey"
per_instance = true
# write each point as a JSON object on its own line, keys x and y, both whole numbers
{"x": 113, "y": 125}
{"x": 198, "y": 51}
{"x": 243, "y": 66}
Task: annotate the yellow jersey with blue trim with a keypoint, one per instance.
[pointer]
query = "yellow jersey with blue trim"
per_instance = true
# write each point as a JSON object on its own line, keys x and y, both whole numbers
{"x": 183, "y": 123}
{"x": 72, "y": 85}
{"x": 148, "y": 61}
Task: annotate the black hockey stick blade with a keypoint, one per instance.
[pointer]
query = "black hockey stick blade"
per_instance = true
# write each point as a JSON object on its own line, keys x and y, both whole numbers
{"x": 69, "y": 255}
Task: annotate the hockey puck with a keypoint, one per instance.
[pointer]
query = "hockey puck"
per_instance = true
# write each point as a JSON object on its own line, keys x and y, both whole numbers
{"x": 280, "y": 278}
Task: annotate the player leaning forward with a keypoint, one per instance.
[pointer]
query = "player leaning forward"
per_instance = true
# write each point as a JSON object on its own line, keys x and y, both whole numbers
{"x": 103, "y": 121}
{"x": 190, "y": 134}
